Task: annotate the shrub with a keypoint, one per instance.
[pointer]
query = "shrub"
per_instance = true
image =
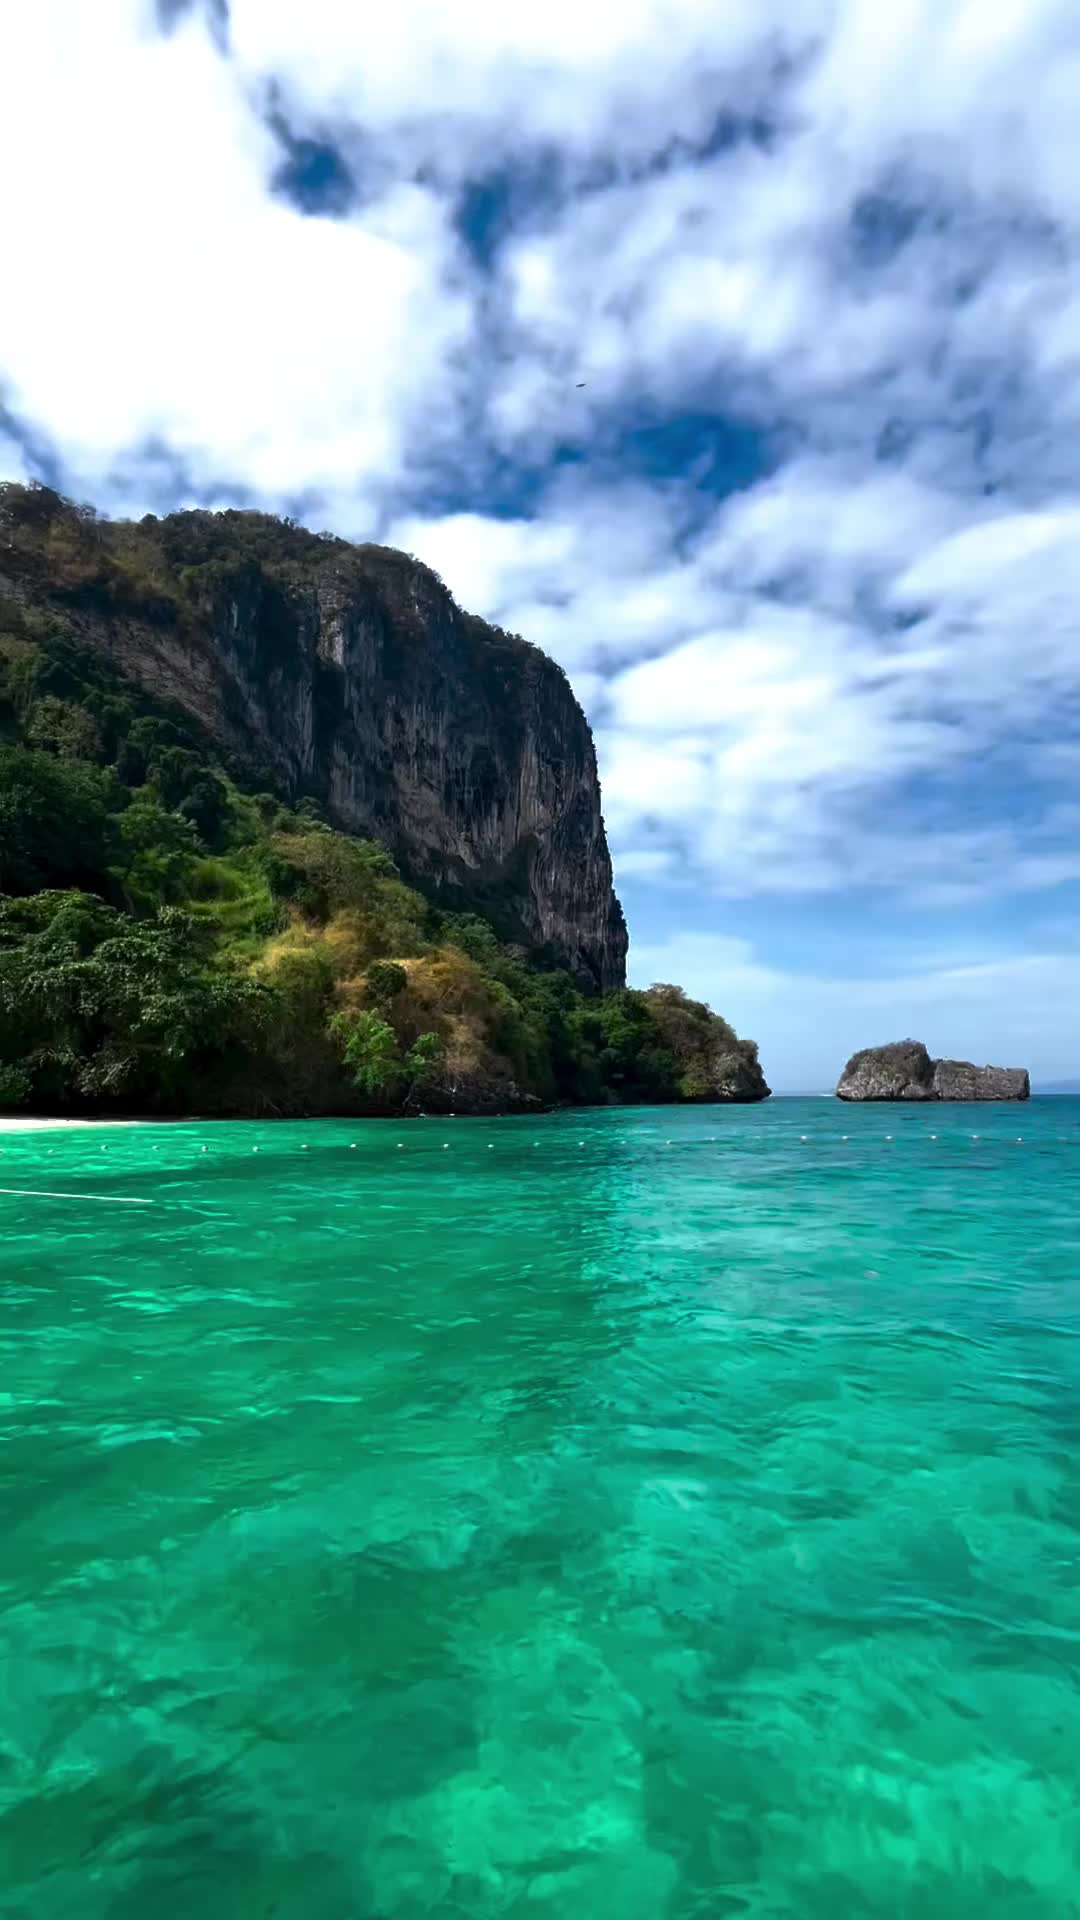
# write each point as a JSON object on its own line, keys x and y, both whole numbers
{"x": 384, "y": 981}
{"x": 54, "y": 823}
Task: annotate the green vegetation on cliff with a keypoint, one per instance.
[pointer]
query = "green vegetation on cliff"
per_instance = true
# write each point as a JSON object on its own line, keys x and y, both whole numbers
{"x": 170, "y": 941}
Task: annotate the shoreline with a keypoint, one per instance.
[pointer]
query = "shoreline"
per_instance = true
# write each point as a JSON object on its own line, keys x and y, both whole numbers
{"x": 16, "y": 1124}
{"x": 29, "y": 1123}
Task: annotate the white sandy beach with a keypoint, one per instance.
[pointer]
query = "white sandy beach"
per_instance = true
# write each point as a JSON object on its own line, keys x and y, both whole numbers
{"x": 13, "y": 1124}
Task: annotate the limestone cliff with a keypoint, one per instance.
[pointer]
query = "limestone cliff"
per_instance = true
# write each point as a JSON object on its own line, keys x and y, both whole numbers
{"x": 904, "y": 1071}
{"x": 348, "y": 674}
{"x": 959, "y": 1080}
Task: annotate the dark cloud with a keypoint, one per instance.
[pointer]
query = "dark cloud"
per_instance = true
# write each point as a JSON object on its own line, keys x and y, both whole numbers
{"x": 37, "y": 449}
{"x": 719, "y": 452}
{"x": 881, "y": 227}
{"x": 534, "y": 186}
{"x": 216, "y": 12}
{"x": 314, "y": 176}
{"x": 159, "y": 478}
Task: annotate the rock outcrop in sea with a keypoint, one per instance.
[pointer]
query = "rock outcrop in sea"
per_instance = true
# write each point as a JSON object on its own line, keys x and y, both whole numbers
{"x": 959, "y": 1080}
{"x": 739, "y": 1078}
{"x": 903, "y": 1070}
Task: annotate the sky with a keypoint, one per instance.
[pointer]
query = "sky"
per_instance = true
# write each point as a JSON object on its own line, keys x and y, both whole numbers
{"x": 727, "y": 349}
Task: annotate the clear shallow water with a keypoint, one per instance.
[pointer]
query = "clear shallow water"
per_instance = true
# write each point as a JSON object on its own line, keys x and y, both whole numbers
{"x": 594, "y": 1527}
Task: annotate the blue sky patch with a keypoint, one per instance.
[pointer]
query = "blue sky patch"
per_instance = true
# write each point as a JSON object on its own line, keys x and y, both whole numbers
{"x": 313, "y": 173}
{"x": 215, "y": 12}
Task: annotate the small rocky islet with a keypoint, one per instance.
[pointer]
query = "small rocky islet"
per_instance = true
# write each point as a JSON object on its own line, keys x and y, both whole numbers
{"x": 904, "y": 1070}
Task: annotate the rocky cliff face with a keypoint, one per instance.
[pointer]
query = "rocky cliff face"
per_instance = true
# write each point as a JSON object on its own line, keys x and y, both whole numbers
{"x": 959, "y": 1080}
{"x": 348, "y": 674}
{"x": 905, "y": 1071}
{"x": 740, "y": 1080}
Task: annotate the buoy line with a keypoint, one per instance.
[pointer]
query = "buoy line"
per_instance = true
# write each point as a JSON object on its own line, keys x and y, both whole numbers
{"x": 814, "y": 1140}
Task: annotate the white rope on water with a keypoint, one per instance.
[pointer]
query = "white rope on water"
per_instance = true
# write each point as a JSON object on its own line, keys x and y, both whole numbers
{"x": 108, "y": 1199}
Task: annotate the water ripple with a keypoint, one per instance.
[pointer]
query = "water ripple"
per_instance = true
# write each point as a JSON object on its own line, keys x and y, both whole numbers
{"x": 591, "y": 1527}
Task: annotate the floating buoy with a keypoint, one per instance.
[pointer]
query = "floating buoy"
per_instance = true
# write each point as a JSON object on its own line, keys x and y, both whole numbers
{"x": 303, "y": 1148}
{"x": 254, "y": 1149}
{"x": 352, "y": 1146}
{"x": 804, "y": 1137}
{"x": 888, "y": 1136}
{"x": 202, "y": 1149}
{"x": 845, "y": 1136}
{"x": 491, "y": 1146}
{"x": 446, "y": 1146}
{"x": 400, "y": 1144}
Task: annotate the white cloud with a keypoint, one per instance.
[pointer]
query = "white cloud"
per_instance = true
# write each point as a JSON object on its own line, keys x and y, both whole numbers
{"x": 611, "y": 73}
{"x": 772, "y": 686}
{"x": 649, "y": 784}
{"x": 990, "y": 555}
{"x": 163, "y": 292}
{"x": 643, "y": 863}
{"x": 767, "y": 745}
{"x": 1001, "y": 601}
{"x": 834, "y": 527}
{"x": 986, "y": 88}
{"x": 13, "y": 461}
{"x": 485, "y": 562}
{"x": 592, "y": 580}
{"x": 283, "y": 353}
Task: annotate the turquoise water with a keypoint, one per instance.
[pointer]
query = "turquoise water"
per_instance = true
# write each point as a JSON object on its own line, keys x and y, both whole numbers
{"x": 649, "y": 1514}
